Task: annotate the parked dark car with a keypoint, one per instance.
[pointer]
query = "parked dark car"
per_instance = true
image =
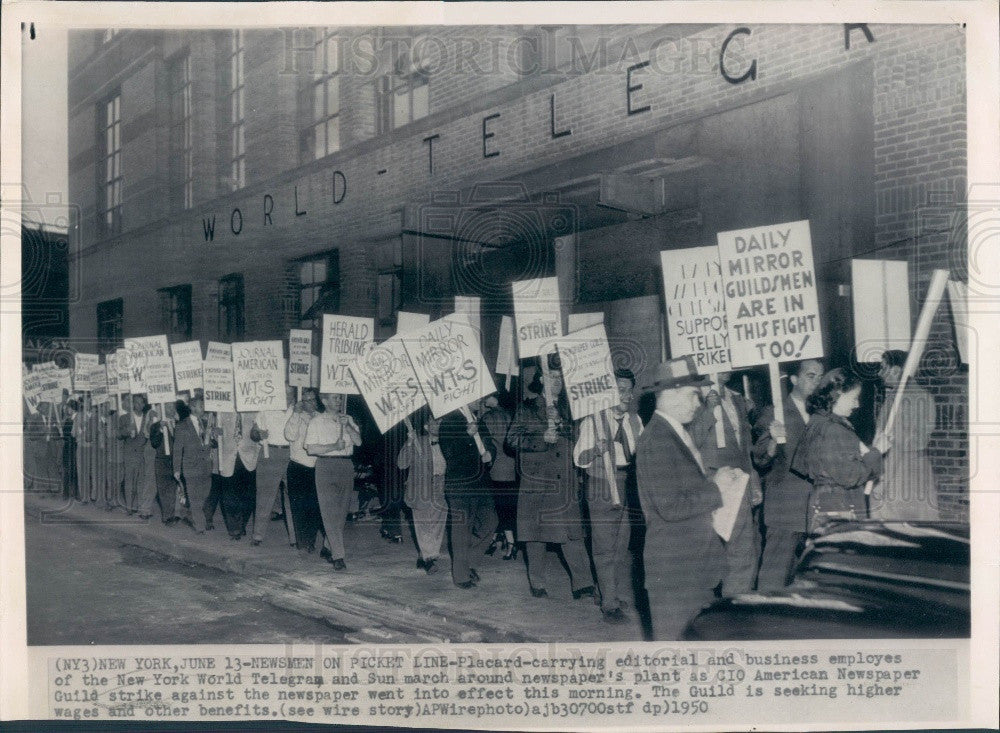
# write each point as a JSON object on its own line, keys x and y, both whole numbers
{"x": 858, "y": 580}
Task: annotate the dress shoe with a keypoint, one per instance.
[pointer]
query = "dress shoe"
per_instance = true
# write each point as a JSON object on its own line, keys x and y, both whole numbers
{"x": 511, "y": 553}
{"x": 209, "y": 526}
{"x": 390, "y": 536}
{"x": 326, "y": 554}
{"x": 583, "y": 593}
{"x": 466, "y": 585}
{"x": 421, "y": 564}
{"x": 539, "y": 592}
{"x": 255, "y": 542}
{"x": 615, "y": 616}
{"x": 474, "y": 576}
{"x": 235, "y": 537}
{"x": 430, "y": 567}
{"x": 339, "y": 564}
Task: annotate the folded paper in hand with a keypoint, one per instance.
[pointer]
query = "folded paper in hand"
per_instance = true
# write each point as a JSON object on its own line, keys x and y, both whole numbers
{"x": 732, "y": 485}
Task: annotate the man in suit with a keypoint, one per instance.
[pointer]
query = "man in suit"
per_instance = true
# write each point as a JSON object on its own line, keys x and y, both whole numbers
{"x": 192, "y": 458}
{"x": 684, "y": 558}
{"x": 238, "y": 455}
{"x": 743, "y": 546}
{"x": 133, "y": 437}
{"x": 610, "y": 525}
{"x": 786, "y": 495}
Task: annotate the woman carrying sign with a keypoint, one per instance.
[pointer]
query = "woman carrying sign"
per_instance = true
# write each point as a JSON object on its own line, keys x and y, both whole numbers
{"x": 548, "y": 508}
{"x": 331, "y": 437}
{"x": 830, "y": 454}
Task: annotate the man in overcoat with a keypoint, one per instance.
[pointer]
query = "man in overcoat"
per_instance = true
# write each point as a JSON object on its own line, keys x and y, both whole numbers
{"x": 786, "y": 494}
{"x": 684, "y": 558}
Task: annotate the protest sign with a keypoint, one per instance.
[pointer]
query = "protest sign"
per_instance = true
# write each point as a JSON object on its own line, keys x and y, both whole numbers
{"x": 696, "y": 310}
{"x": 124, "y": 372}
{"x": 51, "y": 387}
{"x": 449, "y": 364}
{"x": 139, "y": 354}
{"x": 769, "y": 286}
{"x": 158, "y": 376}
{"x": 187, "y": 365}
{"x": 217, "y": 375}
{"x": 259, "y": 374}
{"x": 65, "y": 381}
{"x": 880, "y": 292}
{"x": 387, "y": 382}
{"x": 588, "y": 372}
{"x": 410, "y": 321}
{"x": 957, "y": 298}
{"x": 580, "y": 321}
{"x": 111, "y": 373}
{"x": 345, "y": 338}
{"x": 83, "y": 365}
{"x": 469, "y": 307}
{"x": 99, "y": 385}
{"x": 299, "y": 357}
{"x": 770, "y": 294}
{"x": 32, "y": 385}
{"x": 537, "y": 316}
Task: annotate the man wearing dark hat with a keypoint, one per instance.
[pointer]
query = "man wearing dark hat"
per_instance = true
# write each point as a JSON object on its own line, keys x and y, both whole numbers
{"x": 684, "y": 558}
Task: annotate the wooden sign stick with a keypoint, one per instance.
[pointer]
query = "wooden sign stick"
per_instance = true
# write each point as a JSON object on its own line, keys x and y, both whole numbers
{"x": 777, "y": 399}
{"x": 720, "y": 428}
{"x": 166, "y": 431}
{"x": 607, "y": 457}
{"x": 467, "y": 413}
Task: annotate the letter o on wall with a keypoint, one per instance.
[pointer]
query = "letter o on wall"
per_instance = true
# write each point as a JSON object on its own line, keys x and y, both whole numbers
{"x": 236, "y": 221}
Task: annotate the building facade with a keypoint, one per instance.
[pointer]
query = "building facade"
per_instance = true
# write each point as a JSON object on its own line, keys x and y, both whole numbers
{"x": 234, "y": 184}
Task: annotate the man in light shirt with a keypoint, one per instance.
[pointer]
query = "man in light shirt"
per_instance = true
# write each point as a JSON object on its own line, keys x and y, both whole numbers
{"x": 610, "y": 528}
{"x": 301, "y": 478}
{"x": 332, "y": 437}
{"x": 786, "y": 495}
{"x": 272, "y": 467}
{"x": 238, "y": 456}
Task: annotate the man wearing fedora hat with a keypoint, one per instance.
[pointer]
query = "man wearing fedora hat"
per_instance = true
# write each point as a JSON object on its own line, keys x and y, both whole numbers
{"x": 684, "y": 558}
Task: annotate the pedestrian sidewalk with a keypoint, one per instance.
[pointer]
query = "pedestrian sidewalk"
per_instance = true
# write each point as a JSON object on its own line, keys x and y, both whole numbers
{"x": 382, "y": 593}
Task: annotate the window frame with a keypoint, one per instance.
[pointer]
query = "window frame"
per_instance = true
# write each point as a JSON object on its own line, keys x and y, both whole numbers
{"x": 110, "y": 312}
{"x": 236, "y": 100}
{"x": 322, "y": 74}
{"x": 320, "y": 288}
{"x": 110, "y": 173}
{"x": 226, "y": 333}
{"x": 181, "y": 138}
{"x": 176, "y": 300}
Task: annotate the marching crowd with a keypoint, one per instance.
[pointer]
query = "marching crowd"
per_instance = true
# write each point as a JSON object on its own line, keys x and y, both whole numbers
{"x": 522, "y": 476}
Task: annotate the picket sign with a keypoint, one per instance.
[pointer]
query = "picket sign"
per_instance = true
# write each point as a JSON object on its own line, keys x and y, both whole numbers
{"x": 470, "y": 307}
{"x": 769, "y": 288}
{"x": 344, "y": 339}
{"x": 696, "y": 323}
{"x": 591, "y": 387}
{"x": 935, "y": 292}
{"x": 299, "y": 357}
{"x": 386, "y": 380}
{"x": 958, "y": 298}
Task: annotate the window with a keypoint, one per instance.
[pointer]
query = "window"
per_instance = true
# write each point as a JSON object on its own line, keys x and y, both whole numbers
{"x": 319, "y": 99}
{"x": 110, "y": 143}
{"x": 110, "y": 320}
{"x": 404, "y": 95}
{"x": 389, "y": 260}
{"x": 175, "y": 305}
{"x": 319, "y": 288}
{"x": 237, "y": 112}
{"x": 181, "y": 155}
{"x": 231, "y": 308}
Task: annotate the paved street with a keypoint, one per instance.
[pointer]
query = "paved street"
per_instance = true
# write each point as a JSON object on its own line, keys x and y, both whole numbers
{"x": 181, "y": 587}
{"x": 84, "y": 588}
